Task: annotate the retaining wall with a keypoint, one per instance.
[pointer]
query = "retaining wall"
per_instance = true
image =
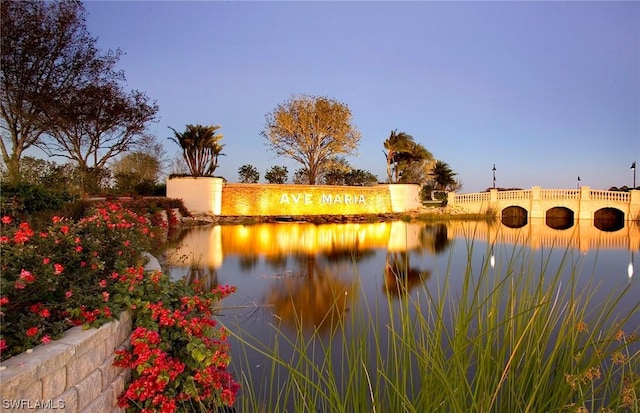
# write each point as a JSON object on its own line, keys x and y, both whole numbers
{"x": 72, "y": 374}
{"x": 210, "y": 196}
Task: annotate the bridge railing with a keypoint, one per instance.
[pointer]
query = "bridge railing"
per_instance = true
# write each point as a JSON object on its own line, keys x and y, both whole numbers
{"x": 515, "y": 195}
{"x": 475, "y": 197}
{"x": 614, "y": 196}
{"x": 559, "y": 194}
{"x": 544, "y": 194}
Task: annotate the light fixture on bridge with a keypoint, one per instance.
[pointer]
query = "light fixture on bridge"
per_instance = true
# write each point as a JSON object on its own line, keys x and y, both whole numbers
{"x": 633, "y": 166}
{"x": 578, "y": 182}
{"x": 494, "y": 175}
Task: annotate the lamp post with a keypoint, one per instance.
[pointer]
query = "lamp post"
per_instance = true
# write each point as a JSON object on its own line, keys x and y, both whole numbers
{"x": 578, "y": 182}
{"x": 494, "y": 175}
{"x": 633, "y": 166}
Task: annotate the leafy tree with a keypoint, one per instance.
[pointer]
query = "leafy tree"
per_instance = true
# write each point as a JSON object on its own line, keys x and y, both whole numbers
{"x": 353, "y": 177}
{"x": 301, "y": 176}
{"x": 200, "y": 148}
{"x": 311, "y": 130}
{"x": 46, "y": 53}
{"x": 248, "y": 174}
{"x": 359, "y": 177}
{"x": 96, "y": 124}
{"x": 136, "y": 173}
{"x": 276, "y": 175}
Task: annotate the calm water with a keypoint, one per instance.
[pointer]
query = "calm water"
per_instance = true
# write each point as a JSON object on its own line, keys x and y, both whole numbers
{"x": 292, "y": 274}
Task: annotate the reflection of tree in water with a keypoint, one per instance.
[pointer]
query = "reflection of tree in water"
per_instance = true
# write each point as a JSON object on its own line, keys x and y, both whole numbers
{"x": 248, "y": 262}
{"x": 208, "y": 277}
{"x": 348, "y": 255}
{"x": 434, "y": 238}
{"x": 276, "y": 261}
{"x": 312, "y": 299}
{"x": 399, "y": 276}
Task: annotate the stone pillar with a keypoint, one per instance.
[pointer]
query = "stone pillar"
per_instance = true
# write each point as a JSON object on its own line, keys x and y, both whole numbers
{"x": 585, "y": 211}
{"x": 451, "y": 198}
{"x": 201, "y": 195}
{"x": 634, "y": 205}
{"x": 493, "y": 198}
{"x": 404, "y": 197}
{"x": 536, "y": 209}
{"x": 585, "y": 193}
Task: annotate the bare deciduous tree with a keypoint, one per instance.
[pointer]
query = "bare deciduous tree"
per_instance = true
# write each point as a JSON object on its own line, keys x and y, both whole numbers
{"x": 46, "y": 53}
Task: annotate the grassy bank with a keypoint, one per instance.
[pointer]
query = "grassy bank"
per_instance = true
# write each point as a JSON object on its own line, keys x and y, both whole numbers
{"x": 512, "y": 339}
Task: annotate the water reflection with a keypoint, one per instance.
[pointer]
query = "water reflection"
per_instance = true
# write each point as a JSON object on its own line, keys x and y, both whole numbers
{"x": 206, "y": 277}
{"x": 293, "y": 277}
{"x": 399, "y": 276}
{"x": 315, "y": 298}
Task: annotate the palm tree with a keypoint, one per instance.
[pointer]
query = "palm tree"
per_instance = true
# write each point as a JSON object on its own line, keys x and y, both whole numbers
{"x": 396, "y": 144}
{"x": 200, "y": 148}
{"x": 413, "y": 164}
{"x": 443, "y": 176}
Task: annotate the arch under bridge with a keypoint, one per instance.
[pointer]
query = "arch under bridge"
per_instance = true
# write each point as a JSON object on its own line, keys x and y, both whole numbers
{"x": 559, "y": 207}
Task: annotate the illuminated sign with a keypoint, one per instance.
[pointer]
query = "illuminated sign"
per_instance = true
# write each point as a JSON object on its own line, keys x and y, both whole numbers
{"x": 265, "y": 199}
{"x": 308, "y": 199}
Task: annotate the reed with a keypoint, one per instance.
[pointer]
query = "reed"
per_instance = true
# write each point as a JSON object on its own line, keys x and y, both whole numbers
{"x": 516, "y": 337}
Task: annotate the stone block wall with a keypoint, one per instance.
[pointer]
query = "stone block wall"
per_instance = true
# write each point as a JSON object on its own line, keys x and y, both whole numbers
{"x": 72, "y": 374}
{"x": 297, "y": 200}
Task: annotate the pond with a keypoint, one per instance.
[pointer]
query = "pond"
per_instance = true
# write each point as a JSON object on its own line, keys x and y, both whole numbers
{"x": 301, "y": 283}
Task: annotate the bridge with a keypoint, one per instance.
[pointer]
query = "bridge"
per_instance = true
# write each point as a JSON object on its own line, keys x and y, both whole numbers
{"x": 560, "y": 208}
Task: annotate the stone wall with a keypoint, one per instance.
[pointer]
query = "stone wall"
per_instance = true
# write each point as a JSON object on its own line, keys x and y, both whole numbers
{"x": 72, "y": 374}
{"x": 210, "y": 196}
{"x": 275, "y": 199}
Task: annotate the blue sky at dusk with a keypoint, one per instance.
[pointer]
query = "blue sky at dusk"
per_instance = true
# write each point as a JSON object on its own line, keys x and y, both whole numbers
{"x": 548, "y": 91}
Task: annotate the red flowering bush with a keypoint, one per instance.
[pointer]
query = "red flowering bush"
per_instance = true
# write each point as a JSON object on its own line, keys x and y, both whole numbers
{"x": 178, "y": 356}
{"x": 85, "y": 272}
{"x": 58, "y": 277}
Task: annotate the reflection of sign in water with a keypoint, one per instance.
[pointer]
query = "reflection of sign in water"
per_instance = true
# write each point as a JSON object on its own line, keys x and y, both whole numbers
{"x": 309, "y": 199}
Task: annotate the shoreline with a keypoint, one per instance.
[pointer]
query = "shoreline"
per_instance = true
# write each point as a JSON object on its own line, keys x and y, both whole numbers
{"x": 420, "y": 214}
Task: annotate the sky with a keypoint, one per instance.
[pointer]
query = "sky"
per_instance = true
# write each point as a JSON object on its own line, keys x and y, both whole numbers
{"x": 546, "y": 91}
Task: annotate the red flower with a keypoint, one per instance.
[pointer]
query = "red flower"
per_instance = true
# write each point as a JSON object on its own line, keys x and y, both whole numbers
{"x": 3, "y": 344}
{"x": 65, "y": 229}
{"x": 32, "y": 331}
{"x": 57, "y": 269}
{"x": 46, "y": 261}
{"x": 46, "y": 339}
{"x": 6, "y": 219}
{"x": 68, "y": 294}
{"x": 4, "y": 300}
{"x": 27, "y": 276}
{"x": 105, "y": 296}
{"x": 24, "y": 233}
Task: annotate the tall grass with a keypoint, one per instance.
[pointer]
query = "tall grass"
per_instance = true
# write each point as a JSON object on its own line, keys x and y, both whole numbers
{"x": 515, "y": 338}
